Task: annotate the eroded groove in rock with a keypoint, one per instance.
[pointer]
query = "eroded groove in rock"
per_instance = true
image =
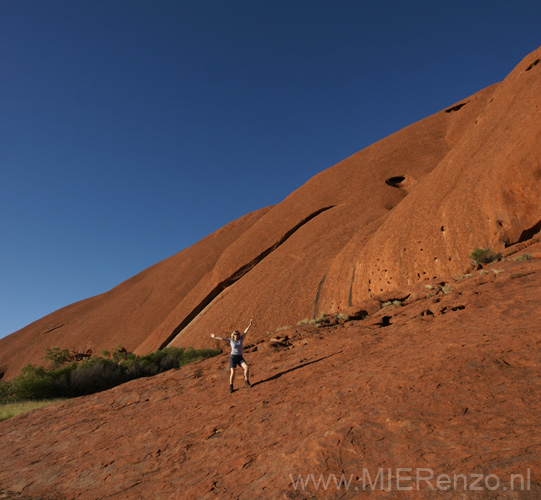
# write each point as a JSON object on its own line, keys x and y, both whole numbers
{"x": 529, "y": 233}
{"x": 525, "y": 235}
{"x": 220, "y": 287}
{"x": 350, "y": 296}
{"x": 535, "y": 63}
{"x": 53, "y": 329}
{"x": 316, "y": 302}
{"x": 456, "y": 108}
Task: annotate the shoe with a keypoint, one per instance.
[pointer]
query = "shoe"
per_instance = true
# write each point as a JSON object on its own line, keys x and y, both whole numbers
{"x": 247, "y": 383}
{"x": 230, "y": 387}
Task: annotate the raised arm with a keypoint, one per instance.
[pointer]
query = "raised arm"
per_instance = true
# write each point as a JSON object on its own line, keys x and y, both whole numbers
{"x": 247, "y": 328}
{"x": 218, "y": 338}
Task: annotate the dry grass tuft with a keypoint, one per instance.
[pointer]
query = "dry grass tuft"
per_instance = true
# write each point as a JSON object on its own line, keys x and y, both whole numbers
{"x": 9, "y": 410}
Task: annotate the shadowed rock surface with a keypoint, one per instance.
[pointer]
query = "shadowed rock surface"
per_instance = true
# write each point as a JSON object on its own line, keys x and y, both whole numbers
{"x": 452, "y": 384}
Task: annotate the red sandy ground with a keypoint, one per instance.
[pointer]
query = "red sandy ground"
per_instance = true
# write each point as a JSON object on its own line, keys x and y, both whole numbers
{"x": 453, "y": 384}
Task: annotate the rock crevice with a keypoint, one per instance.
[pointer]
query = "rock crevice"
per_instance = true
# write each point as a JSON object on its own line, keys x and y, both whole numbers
{"x": 237, "y": 275}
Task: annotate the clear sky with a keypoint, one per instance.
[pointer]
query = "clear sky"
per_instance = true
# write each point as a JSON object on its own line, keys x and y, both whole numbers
{"x": 131, "y": 129}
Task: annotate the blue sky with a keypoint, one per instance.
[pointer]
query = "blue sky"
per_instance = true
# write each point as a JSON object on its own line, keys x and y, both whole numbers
{"x": 131, "y": 129}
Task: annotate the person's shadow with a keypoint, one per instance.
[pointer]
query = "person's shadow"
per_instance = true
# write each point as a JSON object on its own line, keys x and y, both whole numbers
{"x": 278, "y": 375}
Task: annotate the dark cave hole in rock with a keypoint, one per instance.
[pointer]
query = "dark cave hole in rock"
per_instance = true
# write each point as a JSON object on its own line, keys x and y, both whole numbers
{"x": 395, "y": 181}
{"x": 456, "y": 108}
{"x": 528, "y": 234}
{"x": 453, "y": 308}
{"x": 535, "y": 63}
{"x": 385, "y": 321}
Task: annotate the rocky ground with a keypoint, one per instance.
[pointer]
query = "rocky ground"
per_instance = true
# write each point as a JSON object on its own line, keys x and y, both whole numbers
{"x": 442, "y": 378}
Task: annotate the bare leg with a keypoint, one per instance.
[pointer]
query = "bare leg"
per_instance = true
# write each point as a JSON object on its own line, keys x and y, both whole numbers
{"x": 232, "y": 376}
{"x": 246, "y": 370}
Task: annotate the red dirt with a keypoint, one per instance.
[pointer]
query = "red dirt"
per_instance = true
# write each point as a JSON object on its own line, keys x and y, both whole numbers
{"x": 456, "y": 390}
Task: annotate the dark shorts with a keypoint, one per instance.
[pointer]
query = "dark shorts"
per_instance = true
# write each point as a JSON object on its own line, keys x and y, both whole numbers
{"x": 236, "y": 360}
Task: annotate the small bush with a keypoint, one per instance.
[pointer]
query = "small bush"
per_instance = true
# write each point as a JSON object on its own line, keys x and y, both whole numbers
{"x": 484, "y": 256}
{"x": 307, "y": 321}
{"x": 8, "y": 393}
{"x": 37, "y": 382}
{"x": 94, "y": 375}
{"x": 282, "y": 328}
{"x": 523, "y": 257}
{"x": 57, "y": 357}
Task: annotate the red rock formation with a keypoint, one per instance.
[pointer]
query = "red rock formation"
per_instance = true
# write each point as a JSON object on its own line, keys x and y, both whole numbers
{"x": 404, "y": 210}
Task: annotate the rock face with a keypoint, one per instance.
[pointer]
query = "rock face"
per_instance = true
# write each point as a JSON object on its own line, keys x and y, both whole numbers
{"x": 402, "y": 211}
{"x": 440, "y": 382}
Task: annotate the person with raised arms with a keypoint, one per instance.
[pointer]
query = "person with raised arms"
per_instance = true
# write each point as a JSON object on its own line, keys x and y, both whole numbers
{"x": 236, "y": 358}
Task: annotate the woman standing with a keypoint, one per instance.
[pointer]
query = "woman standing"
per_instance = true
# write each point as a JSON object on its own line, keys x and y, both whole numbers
{"x": 236, "y": 358}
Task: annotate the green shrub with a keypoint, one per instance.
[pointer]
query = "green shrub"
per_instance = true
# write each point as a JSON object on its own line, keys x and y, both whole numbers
{"x": 190, "y": 355}
{"x": 57, "y": 357}
{"x": 37, "y": 382}
{"x": 8, "y": 393}
{"x": 484, "y": 255}
{"x": 94, "y": 374}
{"x": 522, "y": 257}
